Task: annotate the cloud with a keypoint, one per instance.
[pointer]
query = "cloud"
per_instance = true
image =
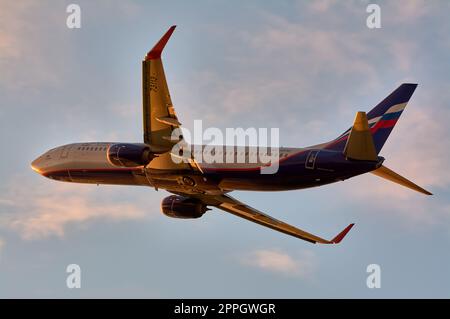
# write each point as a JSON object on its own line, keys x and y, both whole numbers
{"x": 311, "y": 50}
{"x": 24, "y": 58}
{"x": 319, "y": 5}
{"x": 411, "y": 10}
{"x": 278, "y": 68}
{"x": 287, "y": 66}
{"x": 2, "y": 245}
{"x": 35, "y": 44}
{"x": 6, "y": 202}
{"x": 51, "y": 209}
{"x": 10, "y": 24}
{"x": 282, "y": 263}
{"x": 402, "y": 11}
{"x": 422, "y": 150}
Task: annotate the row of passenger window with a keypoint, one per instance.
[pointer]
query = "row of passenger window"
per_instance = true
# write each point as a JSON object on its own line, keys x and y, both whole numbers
{"x": 103, "y": 148}
{"x": 85, "y": 148}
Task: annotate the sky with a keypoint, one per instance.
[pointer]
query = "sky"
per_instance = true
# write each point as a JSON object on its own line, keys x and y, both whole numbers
{"x": 305, "y": 67}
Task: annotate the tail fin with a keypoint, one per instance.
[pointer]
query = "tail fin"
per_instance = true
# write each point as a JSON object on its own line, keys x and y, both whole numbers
{"x": 382, "y": 118}
{"x": 392, "y": 176}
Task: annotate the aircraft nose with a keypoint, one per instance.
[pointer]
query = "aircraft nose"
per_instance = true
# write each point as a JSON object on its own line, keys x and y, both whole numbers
{"x": 36, "y": 165}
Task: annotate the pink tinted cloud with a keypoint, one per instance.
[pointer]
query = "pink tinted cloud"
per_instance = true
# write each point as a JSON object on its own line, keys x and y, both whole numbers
{"x": 277, "y": 261}
{"x": 52, "y": 208}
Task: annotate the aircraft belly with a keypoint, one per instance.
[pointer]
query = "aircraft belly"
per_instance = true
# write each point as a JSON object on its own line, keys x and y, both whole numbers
{"x": 273, "y": 184}
{"x": 99, "y": 176}
{"x": 184, "y": 181}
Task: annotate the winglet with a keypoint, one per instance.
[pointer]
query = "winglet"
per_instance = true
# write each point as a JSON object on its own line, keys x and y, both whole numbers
{"x": 155, "y": 53}
{"x": 341, "y": 235}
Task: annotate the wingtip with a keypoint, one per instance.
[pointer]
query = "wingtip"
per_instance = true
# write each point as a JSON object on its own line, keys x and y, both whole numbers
{"x": 155, "y": 52}
{"x": 424, "y": 191}
{"x": 342, "y": 234}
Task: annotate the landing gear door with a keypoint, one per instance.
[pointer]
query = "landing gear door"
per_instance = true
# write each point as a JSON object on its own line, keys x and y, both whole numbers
{"x": 311, "y": 159}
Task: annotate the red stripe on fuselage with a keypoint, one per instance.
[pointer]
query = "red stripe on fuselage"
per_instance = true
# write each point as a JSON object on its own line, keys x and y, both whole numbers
{"x": 241, "y": 169}
{"x": 94, "y": 170}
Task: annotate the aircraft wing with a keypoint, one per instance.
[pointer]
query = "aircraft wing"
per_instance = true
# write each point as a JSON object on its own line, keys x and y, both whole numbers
{"x": 235, "y": 207}
{"x": 159, "y": 115}
{"x": 158, "y": 112}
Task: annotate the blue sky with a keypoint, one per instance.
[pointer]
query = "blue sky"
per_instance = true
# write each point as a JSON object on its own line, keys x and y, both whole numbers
{"x": 303, "y": 66}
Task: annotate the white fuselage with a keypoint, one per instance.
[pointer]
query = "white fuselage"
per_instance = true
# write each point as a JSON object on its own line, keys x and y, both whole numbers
{"x": 88, "y": 163}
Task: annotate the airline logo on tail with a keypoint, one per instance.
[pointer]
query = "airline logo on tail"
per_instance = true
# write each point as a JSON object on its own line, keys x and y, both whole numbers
{"x": 388, "y": 119}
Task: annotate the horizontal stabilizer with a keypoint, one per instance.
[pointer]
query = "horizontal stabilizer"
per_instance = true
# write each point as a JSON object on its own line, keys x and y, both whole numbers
{"x": 392, "y": 176}
{"x": 360, "y": 144}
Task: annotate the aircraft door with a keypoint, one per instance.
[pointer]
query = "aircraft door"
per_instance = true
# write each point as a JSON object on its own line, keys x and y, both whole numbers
{"x": 65, "y": 151}
{"x": 311, "y": 159}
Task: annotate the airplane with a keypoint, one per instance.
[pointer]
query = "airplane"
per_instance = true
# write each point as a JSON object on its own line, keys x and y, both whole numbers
{"x": 196, "y": 186}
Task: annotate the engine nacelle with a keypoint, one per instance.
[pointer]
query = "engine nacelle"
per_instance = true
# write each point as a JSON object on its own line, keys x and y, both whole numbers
{"x": 183, "y": 207}
{"x": 129, "y": 155}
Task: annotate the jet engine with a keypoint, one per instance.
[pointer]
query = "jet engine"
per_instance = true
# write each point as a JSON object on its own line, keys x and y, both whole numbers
{"x": 129, "y": 155}
{"x": 183, "y": 207}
